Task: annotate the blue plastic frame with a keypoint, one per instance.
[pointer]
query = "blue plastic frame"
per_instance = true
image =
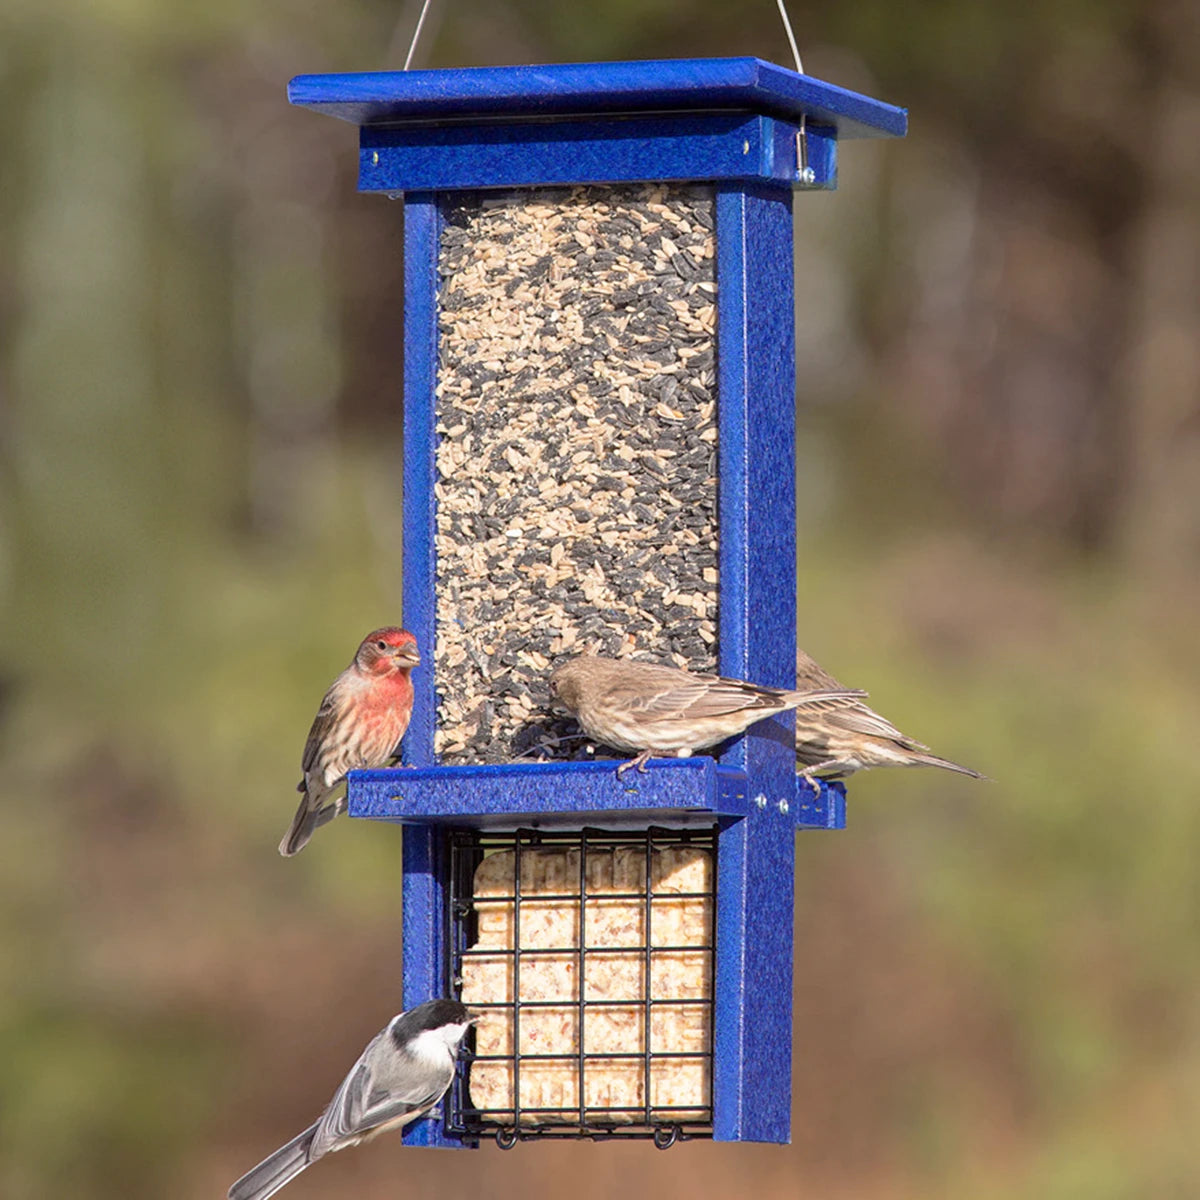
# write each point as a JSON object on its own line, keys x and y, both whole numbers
{"x": 734, "y": 123}
{"x": 681, "y": 791}
{"x": 627, "y": 149}
{"x": 547, "y": 91}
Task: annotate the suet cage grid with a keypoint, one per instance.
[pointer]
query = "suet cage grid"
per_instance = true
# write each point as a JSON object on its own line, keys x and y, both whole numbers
{"x": 589, "y": 954}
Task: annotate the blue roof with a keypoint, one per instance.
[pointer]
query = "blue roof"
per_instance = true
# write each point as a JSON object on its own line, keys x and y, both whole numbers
{"x": 610, "y": 88}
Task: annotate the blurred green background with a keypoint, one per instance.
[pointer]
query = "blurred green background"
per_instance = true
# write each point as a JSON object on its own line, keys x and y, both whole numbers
{"x": 998, "y": 985}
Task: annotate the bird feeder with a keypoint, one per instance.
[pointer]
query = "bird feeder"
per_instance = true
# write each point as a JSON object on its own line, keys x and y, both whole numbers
{"x": 599, "y": 453}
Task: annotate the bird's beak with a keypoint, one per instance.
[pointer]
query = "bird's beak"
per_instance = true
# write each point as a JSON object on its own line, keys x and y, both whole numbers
{"x": 408, "y": 655}
{"x": 474, "y": 1016}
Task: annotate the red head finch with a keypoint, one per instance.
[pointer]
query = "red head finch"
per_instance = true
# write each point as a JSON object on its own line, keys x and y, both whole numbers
{"x": 359, "y": 724}
{"x": 647, "y": 709}
{"x": 841, "y": 737}
{"x": 400, "y": 1076}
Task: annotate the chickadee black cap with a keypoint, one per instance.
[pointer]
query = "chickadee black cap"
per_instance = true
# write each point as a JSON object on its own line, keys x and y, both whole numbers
{"x": 433, "y": 1014}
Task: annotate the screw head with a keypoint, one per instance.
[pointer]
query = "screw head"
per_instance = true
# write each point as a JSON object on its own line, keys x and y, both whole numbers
{"x": 783, "y": 807}
{"x": 808, "y": 175}
{"x": 760, "y": 801}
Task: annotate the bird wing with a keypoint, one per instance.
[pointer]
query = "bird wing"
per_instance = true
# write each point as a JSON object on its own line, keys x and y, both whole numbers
{"x": 850, "y": 715}
{"x": 363, "y": 1103}
{"x": 664, "y": 693}
{"x": 721, "y": 696}
{"x": 854, "y": 716}
{"x": 319, "y": 732}
{"x": 810, "y": 673}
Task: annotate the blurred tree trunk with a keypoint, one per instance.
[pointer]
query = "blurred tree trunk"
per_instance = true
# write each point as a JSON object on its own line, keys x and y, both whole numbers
{"x": 1162, "y": 515}
{"x": 1008, "y": 355}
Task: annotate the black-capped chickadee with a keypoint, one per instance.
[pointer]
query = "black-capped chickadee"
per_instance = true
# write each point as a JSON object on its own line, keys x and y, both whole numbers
{"x": 400, "y": 1076}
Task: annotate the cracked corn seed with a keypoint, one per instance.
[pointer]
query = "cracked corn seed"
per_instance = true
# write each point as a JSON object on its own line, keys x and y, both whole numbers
{"x": 577, "y": 440}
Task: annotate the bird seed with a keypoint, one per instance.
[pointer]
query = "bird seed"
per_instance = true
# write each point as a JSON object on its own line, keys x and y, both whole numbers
{"x": 577, "y": 451}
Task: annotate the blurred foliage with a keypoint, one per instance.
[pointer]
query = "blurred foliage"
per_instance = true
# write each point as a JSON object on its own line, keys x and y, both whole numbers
{"x": 1000, "y": 503}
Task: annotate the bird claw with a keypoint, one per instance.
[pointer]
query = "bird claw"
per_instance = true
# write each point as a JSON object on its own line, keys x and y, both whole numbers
{"x": 638, "y": 764}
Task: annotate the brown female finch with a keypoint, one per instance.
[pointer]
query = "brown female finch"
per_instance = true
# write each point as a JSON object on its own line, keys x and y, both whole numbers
{"x": 359, "y": 724}
{"x": 647, "y": 709}
{"x": 840, "y": 737}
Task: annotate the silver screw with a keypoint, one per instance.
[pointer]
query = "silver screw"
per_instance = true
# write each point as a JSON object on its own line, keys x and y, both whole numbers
{"x": 783, "y": 807}
{"x": 808, "y": 176}
{"x": 760, "y": 801}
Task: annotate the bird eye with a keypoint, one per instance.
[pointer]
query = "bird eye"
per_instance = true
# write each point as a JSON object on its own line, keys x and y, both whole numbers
{"x": 381, "y": 645}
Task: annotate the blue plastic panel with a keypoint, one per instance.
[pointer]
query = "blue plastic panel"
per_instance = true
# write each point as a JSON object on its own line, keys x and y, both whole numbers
{"x": 755, "y": 861}
{"x": 422, "y": 228}
{"x": 601, "y": 150}
{"x": 424, "y": 957}
{"x": 822, "y": 808}
{"x": 671, "y": 792}
{"x": 566, "y": 89}
{"x": 821, "y": 156}
{"x": 552, "y": 793}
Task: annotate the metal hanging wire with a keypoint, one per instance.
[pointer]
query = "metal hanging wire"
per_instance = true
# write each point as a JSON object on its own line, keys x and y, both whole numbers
{"x": 412, "y": 46}
{"x": 791, "y": 37}
{"x": 803, "y": 171}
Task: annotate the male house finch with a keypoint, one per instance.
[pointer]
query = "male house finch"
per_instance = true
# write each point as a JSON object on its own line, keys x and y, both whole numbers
{"x": 400, "y": 1076}
{"x": 359, "y": 724}
{"x": 844, "y": 736}
{"x": 648, "y": 709}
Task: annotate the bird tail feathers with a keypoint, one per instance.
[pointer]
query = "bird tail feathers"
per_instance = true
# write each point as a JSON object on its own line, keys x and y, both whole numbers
{"x": 932, "y": 760}
{"x": 304, "y": 824}
{"x": 277, "y": 1169}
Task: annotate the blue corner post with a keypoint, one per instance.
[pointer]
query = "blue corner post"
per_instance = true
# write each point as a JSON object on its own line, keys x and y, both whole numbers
{"x": 756, "y": 133}
{"x": 755, "y": 862}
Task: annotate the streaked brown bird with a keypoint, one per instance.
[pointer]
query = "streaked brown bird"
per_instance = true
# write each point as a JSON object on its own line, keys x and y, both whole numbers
{"x": 836, "y": 738}
{"x": 645, "y": 709}
{"x": 359, "y": 724}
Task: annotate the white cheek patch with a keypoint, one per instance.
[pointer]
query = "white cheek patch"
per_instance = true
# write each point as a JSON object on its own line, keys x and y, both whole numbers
{"x": 456, "y": 1033}
{"x": 434, "y": 1046}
